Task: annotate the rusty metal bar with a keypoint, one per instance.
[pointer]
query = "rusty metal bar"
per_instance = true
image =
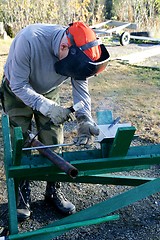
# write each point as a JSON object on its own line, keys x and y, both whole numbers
{"x": 56, "y": 159}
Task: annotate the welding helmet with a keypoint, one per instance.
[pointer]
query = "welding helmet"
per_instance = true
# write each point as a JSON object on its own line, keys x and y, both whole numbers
{"x": 86, "y": 56}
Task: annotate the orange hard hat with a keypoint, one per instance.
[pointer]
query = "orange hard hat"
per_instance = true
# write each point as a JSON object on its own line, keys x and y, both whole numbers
{"x": 84, "y": 37}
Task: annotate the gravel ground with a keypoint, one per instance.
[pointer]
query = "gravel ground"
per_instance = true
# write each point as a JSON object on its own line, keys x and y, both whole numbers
{"x": 139, "y": 221}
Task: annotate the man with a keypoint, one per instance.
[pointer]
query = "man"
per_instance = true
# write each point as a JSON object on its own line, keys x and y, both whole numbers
{"x": 41, "y": 58}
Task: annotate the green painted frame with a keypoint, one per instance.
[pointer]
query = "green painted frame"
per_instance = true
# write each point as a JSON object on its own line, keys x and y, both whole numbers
{"x": 95, "y": 166}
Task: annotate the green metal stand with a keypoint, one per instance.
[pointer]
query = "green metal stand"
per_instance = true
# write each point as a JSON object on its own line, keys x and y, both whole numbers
{"x": 95, "y": 166}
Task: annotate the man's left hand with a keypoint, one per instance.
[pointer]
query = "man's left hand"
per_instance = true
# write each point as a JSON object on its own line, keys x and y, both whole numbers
{"x": 86, "y": 130}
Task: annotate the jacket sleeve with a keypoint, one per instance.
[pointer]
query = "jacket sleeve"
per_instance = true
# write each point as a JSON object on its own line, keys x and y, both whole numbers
{"x": 80, "y": 92}
{"x": 19, "y": 75}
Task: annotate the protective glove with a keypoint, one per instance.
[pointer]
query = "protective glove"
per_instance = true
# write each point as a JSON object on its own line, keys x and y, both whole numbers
{"x": 86, "y": 130}
{"x": 56, "y": 113}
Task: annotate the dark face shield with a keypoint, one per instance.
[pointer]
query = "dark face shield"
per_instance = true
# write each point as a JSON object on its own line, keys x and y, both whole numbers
{"x": 79, "y": 66}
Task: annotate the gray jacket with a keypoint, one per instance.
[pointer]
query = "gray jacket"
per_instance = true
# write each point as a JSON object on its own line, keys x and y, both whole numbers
{"x": 30, "y": 66}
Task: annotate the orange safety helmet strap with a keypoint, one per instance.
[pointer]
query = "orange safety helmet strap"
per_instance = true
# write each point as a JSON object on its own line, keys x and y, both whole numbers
{"x": 84, "y": 46}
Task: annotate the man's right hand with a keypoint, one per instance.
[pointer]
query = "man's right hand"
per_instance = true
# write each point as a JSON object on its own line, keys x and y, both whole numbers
{"x": 56, "y": 113}
{"x": 59, "y": 115}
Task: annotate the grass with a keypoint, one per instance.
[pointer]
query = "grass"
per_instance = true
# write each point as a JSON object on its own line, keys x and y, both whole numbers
{"x": 4, "y": 49}
{"x": 5, "y": 45}
{"x": 133, "y": 93}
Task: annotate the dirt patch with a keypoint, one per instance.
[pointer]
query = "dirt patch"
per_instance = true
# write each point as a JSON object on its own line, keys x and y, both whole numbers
{"x": 131, "y": 92}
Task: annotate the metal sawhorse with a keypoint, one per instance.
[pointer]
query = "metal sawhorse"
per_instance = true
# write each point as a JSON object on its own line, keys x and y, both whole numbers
{"x": 95, "y": 166}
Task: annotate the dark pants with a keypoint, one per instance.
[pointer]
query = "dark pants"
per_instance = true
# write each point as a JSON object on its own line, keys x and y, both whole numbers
{"x": 22, "y": 115}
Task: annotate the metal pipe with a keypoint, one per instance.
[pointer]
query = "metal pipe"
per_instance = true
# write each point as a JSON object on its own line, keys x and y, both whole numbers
{"x": 56, "y": 159}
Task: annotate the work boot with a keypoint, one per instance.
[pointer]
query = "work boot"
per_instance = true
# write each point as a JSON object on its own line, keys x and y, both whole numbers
{"x": 24, "y": 200}
{"x": 55, "y": 197}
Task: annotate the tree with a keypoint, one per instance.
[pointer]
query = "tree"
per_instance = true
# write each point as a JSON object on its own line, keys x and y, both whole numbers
{"x": 20, "y": 13}
{"x": 144, "y": 12}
